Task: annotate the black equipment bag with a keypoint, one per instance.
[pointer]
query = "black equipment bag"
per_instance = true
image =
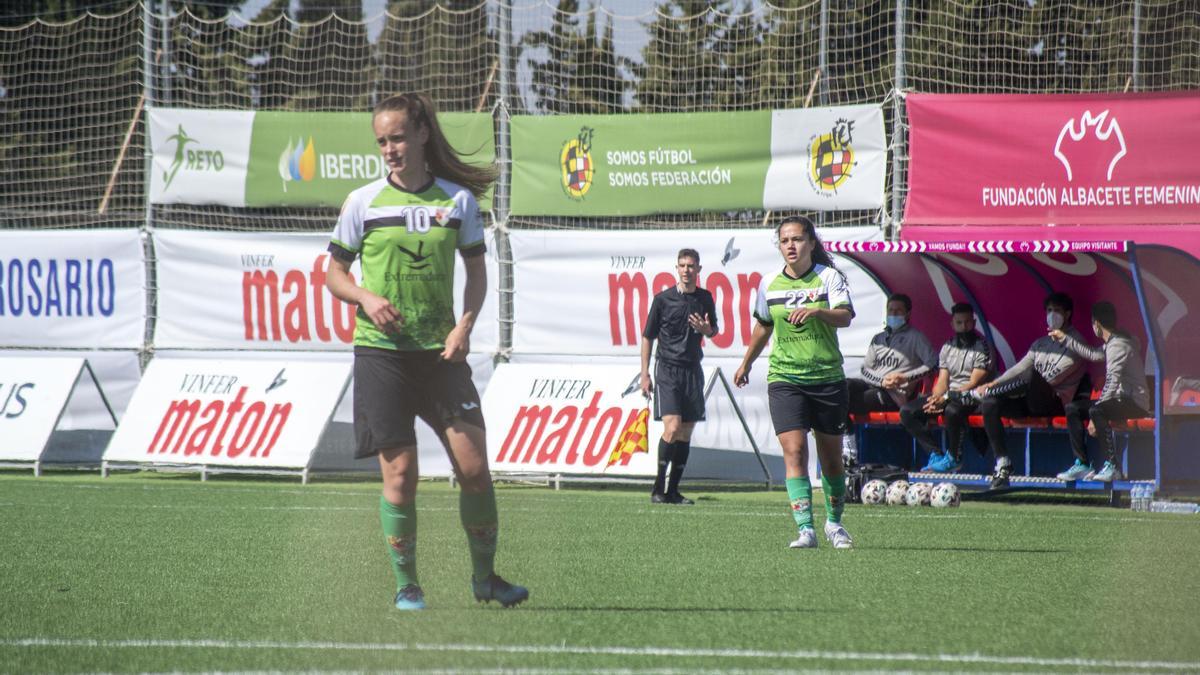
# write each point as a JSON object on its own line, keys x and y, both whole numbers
{"x": 858, "y": 475}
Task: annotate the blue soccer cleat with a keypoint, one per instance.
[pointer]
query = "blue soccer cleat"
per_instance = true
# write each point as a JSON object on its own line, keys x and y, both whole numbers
{"x": 935, "y": 460}
{"x": 495, "y": 588}
{"x": 410, "y": 597}
{"x": 945, "y": 463}
{"x": 1078, "y": 471}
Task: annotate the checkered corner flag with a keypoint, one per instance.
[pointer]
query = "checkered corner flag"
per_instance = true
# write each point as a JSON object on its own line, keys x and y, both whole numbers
{"x": 632, "y": 439}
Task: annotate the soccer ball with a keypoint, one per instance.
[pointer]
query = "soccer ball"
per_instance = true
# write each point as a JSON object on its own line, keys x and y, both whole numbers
{"x": 918, "y": 494}
{"x": 896, "y": 493}
{"x": 945, "y": 495}
{"x": 874, "y": 492}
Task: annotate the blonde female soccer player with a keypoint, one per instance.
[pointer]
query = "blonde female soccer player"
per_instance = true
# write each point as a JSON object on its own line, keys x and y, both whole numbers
{"x": 409, "y": 351}
{"x": 802, "y": 307}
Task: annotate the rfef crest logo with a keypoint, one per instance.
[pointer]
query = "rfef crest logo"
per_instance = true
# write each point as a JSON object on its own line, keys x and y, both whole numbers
{"x": 831, "y": 158}
{"x": 298, "y": 162}
{"x": 576, "y": 164}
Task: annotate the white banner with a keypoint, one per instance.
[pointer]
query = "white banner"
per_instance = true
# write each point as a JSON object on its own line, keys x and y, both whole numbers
{"x": 219, "y": 290}
{"x": 590, "y": 292}
{"x": 839, "y": 166}
{"x": 33, "y": 393}
{"x": 117, "y": 374}
{"x": 250, "y": 412}
{"x": 200, "y": 156}
{"x": 79, "y": 289}
{"x": 566, "y": 419}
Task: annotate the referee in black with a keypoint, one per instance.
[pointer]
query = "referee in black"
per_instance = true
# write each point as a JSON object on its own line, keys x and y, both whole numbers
{"x": 678, "y": 318}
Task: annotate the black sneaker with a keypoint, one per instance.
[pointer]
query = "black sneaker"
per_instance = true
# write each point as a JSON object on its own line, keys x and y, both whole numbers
{"x": 676, "y": 498}
{"x": 495, "y": 588}
{"x": 658, "y": 498}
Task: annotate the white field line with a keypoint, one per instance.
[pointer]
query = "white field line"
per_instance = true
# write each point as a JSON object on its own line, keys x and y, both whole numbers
{"x": 615, "y": 500}
{"x": 570, "y": 650}
{"x": 659, "y": 511}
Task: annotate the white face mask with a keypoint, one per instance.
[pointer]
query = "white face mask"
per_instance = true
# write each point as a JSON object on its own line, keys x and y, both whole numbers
{"x": 1054, "y": 320}
{"x": 895, "y": 322}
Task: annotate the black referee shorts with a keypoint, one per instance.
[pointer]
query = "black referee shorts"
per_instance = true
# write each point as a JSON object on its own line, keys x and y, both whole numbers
{"x": 679, "y": 390}
{"x": 393, "y": 388}
{"x": 820, "y": 407}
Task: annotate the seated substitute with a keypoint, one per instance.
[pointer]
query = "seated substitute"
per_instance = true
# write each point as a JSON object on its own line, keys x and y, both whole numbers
{"x": 679, "y": 317}
{"x": 896, "y": 360}
{"x": 965, "y": 362}
{"x": 1041, "y": 384}
{"x": 1124, "y": 395}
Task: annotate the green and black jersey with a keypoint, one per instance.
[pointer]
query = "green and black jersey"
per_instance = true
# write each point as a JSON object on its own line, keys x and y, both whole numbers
{"x": 408, "y": 241}
{"x": 808, "y": 353}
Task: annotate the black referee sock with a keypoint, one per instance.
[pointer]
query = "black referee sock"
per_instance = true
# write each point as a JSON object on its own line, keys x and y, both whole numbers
{"x": 665, "y": 453}
{"x": 679, "y": 460}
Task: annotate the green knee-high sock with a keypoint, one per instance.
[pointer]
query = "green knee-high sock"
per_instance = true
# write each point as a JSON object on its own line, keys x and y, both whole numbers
{"x": 478, "y": 515}
{"x": 400, "y": 533}
{"x": 800, "y": 494}
{"x": 835, "y": 496}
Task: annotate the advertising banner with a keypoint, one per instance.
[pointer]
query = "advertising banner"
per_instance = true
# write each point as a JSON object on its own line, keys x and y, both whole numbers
{"x": 573, "y": 419}
{"x": 77, "y": 289}
{"x": 222, "y": 290}
{"x": 200, "y": 156}
{"x": 589, "y": 293}
{"x": 272, "y": 158}
{"x": 1070, "y": 159}
{"x": 248, "y": 412}
{"x": 622, "y": 165}
{"x": 33, "y": 393}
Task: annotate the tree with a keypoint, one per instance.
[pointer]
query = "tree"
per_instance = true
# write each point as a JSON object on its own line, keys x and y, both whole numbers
{"x": 579, "y": 71}
{"x": 441, "y": 48}
{"x": 701, "y": 56}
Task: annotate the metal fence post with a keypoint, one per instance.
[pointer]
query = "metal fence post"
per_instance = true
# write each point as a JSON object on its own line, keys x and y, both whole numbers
{"x": 502, "y": 193}
{"x": 897, "y": 125}
{"x": 1136, "y": 74}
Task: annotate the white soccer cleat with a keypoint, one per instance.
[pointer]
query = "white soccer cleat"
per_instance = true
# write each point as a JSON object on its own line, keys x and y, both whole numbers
{"x": 838, "y": 536}
{"x": 806, "y": 539}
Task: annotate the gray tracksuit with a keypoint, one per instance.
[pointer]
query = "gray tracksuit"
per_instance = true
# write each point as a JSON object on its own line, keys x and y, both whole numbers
{"x": 960, "y": 361}
{"x": 1058, "y": 364}
{"x": 1124, "y": 372}
{"x": 905, "y": 350}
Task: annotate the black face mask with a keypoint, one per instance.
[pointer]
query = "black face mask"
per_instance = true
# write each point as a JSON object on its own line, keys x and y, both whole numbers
{"x": 965, "y": 338}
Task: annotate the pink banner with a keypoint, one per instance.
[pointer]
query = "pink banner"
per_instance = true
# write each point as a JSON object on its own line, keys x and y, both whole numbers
{"x": 1053, "y": 159}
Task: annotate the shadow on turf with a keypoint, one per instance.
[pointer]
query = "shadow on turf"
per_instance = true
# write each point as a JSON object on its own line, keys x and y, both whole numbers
{"x": 689, "y": 610}
{"x": 968, "y": 549}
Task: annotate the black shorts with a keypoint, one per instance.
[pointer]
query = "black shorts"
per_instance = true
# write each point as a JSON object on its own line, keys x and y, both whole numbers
{"x": 679, "y": 390}
{"x": 392, "y": 389}
{"x": 820, "y": 407}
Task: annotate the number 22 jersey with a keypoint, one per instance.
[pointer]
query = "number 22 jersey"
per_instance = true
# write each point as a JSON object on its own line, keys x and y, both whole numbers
{"x": 808, "y": 353}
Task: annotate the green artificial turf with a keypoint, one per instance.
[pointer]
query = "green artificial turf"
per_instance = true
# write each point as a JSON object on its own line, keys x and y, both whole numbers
{"x": 148, "y": 572}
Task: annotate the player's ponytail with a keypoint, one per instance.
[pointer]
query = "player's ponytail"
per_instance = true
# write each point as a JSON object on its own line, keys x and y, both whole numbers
{"x": 443, "y": 160}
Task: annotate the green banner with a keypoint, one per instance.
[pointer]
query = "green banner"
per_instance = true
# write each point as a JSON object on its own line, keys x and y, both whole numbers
{"x": 639, "y": 164}
{"x": 316, "y": 159}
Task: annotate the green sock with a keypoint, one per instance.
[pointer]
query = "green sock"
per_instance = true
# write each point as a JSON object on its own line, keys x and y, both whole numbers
{"x": 478, "y": 515}
{"x": 800, "y": 494}
{"x": 835, "y": 496}
{"x": 400, "y": 532}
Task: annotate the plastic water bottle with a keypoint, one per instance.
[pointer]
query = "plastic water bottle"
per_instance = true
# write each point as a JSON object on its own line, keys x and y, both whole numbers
{"x": 1137, "y": 497}
{"x": 1174, "y": 507}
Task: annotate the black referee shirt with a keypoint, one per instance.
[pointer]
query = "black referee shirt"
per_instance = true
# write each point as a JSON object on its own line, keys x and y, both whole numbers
{"x": 678, "y": 344}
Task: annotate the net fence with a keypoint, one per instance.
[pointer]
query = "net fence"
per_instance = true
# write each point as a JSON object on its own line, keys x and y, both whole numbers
{"x": 73, "y": 94}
